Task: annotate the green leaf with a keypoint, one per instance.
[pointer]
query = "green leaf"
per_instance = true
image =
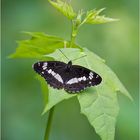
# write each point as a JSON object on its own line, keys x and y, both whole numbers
{"x": 101, "y": 107}
{"x": 93, "y": 17}
{"x": 64, "y": 7}
{"x": 39, "y": 45}
{"x": 79, "y": 17}
{"x": 55, "y": 96}
{"x": 99, "y": 103}
{"x": 109, "y": 77}
{"x": 44, "y": 88}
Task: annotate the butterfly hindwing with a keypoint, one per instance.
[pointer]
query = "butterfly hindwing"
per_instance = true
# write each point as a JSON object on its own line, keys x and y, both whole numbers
{"x": 81, "y": 79}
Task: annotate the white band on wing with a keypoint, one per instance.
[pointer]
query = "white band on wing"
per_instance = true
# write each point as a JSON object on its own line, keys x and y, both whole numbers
{"x": 76, "y": 80}
{"x": 55, "y": 75}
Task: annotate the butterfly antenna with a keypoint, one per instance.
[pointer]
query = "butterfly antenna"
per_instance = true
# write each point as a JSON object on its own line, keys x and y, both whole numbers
{"x": 63, "y": 53}
{"x": 79, "y": 57}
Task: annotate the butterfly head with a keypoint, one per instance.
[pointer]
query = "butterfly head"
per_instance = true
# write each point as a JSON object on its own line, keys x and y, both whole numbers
{"x": 70, "y": 63}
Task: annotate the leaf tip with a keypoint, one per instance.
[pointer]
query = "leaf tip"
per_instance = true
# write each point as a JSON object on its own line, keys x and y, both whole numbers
{"x": 130, "y": 97}
{"x": 114, "y": 19}
{"x": 43, "y": 112}
{"x": 126, "y": 93}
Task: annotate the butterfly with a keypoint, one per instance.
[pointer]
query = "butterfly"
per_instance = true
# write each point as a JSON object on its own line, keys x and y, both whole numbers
{"x": 71, "y": 78}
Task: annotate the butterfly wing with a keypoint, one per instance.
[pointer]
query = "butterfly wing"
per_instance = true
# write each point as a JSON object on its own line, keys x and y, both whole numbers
{"x": 51, "y": 70}
{"x": 81, "y": 78}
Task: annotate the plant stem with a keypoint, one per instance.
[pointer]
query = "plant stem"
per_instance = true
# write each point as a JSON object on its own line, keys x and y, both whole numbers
{"x": 49, "y": 124}
{"x": 73, "y": 33}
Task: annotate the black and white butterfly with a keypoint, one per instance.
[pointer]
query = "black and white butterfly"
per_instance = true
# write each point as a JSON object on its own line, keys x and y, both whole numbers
{"x": 71, "y": 78}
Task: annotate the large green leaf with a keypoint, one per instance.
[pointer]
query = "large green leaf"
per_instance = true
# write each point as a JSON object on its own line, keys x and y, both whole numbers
{"x": 40, "y": 44}
{"x": 99, "y": 103}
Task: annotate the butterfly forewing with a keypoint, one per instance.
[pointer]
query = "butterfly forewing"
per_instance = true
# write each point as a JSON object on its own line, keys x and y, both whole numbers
{"x": 73, "y": 78}
{"x": 51, "y": 71}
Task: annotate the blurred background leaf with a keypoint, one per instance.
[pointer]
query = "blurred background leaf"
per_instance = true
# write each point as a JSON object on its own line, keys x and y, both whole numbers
{"x": 22, "y": 102}
{"x": 93, "y": 17}
{"x": 64, "y": 7}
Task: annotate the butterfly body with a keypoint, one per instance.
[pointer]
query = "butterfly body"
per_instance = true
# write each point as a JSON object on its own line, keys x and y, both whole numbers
{"x": 71, "y": 78}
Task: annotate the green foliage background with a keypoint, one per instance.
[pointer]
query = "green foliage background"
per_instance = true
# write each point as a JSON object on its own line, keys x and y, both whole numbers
{"x": 22, "y": 102}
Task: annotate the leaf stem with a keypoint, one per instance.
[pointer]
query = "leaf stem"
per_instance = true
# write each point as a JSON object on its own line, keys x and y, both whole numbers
{"x": 49, "y": 124}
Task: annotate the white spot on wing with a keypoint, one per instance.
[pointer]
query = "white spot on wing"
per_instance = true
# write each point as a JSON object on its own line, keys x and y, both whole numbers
{"x": 97, "y": 76}
{"x": 38, "y": 63}
{"x": 45, "y": 66}
{"x": 53, "y": 73}
{"x": 91, "y": 75}
{"x": 49, "y": 71}
{"x": 58, "y": 77}
{"x": 73, "y": 80}
{"x": 80, "y": 79}
{"x": 84, "y": 78}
